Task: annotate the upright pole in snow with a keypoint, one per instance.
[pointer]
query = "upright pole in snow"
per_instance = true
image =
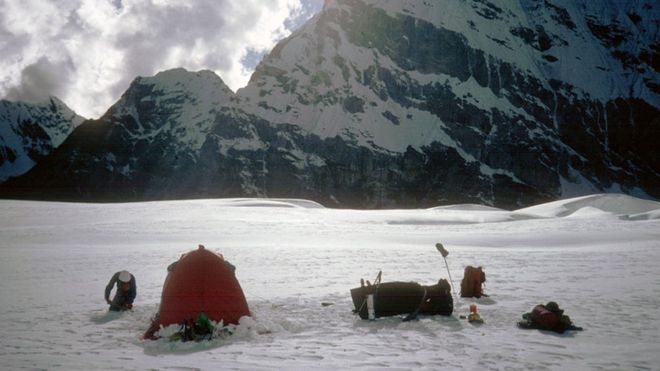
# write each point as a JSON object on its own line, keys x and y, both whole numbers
{"x": 444, "y": 253}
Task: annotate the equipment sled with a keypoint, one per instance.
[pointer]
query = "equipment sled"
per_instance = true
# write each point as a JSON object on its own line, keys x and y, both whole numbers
{"x": 395, "y": 298}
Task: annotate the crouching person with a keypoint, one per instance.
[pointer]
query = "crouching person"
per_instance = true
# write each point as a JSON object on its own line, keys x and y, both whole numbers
{"x": 125, "y": 294}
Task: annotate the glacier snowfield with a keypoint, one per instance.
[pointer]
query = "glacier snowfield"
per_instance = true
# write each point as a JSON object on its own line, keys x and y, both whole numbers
{"x": 597, "y": 256}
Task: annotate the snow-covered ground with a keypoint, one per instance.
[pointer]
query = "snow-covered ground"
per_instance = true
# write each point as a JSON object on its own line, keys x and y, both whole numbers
{"x": 597, "y": 256}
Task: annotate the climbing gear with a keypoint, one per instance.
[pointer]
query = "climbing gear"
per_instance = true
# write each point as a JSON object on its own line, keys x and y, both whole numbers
{"x": 199, "y": 329}
{"x": 444, "y": 253}
{"x": 369, "y": 299}
{"x": 473, "y": 279}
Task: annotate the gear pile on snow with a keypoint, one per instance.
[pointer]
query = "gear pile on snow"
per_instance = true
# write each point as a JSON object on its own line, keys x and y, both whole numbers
{"x": 473, "y": 279}
{"x": 548, "y": 317}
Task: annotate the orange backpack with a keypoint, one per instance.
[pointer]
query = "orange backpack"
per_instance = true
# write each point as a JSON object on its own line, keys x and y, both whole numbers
{"x": 473, "y": 278}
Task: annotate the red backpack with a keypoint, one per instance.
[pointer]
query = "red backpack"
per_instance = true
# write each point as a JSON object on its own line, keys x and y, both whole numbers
{"x": 544, "y": 319}
{"x": 473, "y": 278}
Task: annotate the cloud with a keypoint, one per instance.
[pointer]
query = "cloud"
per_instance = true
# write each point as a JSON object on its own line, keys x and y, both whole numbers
{"x": 87, "y": 52}
{"x": 41, "y": 79}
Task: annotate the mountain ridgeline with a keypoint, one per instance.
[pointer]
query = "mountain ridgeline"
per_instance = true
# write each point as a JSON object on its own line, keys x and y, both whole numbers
{"x": 389, "y": 103}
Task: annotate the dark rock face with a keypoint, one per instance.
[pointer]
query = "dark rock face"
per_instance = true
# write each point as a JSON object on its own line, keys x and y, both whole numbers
{"x": 7, "y": 155}
{"x": 494, "y": 129}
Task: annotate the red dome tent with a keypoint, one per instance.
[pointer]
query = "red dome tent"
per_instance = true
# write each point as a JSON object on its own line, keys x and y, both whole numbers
{"x": 200, "y": 281}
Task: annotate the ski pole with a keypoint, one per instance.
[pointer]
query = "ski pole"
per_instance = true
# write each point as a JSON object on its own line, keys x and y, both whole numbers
{"x": 444, "y": 253}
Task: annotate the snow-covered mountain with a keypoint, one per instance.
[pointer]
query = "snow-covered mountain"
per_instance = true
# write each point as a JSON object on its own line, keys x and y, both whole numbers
{"x": 30, "y": 131}
{"x": 395, "y": 103}
{"x": 559, "y": 96}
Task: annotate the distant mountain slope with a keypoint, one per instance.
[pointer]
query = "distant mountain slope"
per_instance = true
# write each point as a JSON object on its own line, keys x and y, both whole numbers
{"x": 388, "y": 103}
{"x": 30, "y": 131}
{"x": 561, "y": 96}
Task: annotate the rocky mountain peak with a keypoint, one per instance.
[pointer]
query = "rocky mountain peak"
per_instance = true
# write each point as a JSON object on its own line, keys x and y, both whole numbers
{"x": 175, "y": 88}
{"x": 487, "y": 80}
{"x": 31, "y": 131}
{"x": 175, "y": 101}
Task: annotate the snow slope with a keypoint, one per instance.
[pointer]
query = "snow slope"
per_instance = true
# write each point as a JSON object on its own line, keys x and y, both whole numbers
{"x": 292, "y": 255}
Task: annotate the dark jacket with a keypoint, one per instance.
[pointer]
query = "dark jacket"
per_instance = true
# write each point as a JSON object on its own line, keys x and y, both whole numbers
{"x": 129, "y": 296}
